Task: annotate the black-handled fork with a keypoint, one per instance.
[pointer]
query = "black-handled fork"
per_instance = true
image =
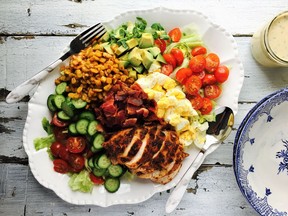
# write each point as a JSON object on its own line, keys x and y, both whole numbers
{"x": 77, "y": 44}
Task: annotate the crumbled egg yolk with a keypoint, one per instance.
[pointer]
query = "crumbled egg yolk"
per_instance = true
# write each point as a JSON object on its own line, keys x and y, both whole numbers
{"x": 172, "y": 105}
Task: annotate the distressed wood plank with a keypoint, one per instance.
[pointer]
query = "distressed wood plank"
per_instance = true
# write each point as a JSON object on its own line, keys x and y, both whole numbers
{"x": 68, "y": 17}
{"x": 216, "y": 194}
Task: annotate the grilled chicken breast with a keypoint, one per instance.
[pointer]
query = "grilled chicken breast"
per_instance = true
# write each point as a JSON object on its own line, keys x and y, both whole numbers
{"x": 150, "y": 151}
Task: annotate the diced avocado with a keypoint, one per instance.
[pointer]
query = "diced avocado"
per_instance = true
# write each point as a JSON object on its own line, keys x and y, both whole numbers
{"x": 108, "y": 49}
{"x": 146, "y": 40}
{"x": 134, "y": 56}
{"x": 132, "y": 73}
{"x": 160, "y": 58}
{"x": 139, "y": 69}
{"x": 131, "y": 43}
{"x": 154, "y": 51}
{"x": 121, "y": 49}
{"x": 155, "y": 67}
{"x": 105, "y": 37}
{"x": 123, "y": 64}
{"x": 124, "y": 56}
{"x": 147, "y": 59}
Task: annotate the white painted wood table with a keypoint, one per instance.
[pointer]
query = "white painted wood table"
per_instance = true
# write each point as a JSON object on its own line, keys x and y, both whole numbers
{"x": 34, "y": 32}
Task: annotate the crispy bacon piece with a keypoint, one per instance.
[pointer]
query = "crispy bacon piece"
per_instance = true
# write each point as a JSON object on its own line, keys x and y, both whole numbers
{"x": 126, "y": 106}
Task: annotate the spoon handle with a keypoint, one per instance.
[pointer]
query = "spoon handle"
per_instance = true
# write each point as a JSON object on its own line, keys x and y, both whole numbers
{"x": 178, "y": 192}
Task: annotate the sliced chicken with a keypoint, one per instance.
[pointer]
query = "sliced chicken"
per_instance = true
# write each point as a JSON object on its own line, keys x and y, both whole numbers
{"x": 150, "y": 151}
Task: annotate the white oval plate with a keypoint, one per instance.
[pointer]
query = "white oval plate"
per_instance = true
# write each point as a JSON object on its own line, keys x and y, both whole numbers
{"x": 261, "y": 155}
{"x": 138, "y": 190}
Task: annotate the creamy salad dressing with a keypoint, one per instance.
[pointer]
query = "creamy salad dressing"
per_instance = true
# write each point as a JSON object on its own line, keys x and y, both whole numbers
{"x": 269, "y": 45}
{"x": 278, "y": 36}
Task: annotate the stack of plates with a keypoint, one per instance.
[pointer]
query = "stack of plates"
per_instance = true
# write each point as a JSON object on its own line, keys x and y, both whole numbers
{"x": 261, "y": 155}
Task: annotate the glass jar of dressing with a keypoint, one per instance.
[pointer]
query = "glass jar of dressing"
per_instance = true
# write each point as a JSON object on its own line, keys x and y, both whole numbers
{"x": 269, "y": 45}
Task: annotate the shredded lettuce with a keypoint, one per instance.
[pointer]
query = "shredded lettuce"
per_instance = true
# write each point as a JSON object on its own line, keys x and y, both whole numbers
{"x": 81, "y": 182}
{"x": 43, "y": 142}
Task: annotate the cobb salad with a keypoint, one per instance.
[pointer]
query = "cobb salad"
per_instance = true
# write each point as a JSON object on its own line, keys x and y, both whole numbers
{"x": 174, "y": 77}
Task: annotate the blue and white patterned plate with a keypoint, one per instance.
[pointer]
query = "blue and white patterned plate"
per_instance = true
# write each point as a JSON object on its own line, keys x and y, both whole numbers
{"x": 261, "y": 155}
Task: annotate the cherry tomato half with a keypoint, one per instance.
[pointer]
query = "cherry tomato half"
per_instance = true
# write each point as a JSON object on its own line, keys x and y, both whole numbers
{"x": 183, "y": 74}
{"x": 193, "y": 85}
{"x": 221, "y": 73}
{"x": 199, "y": 50}
{"x": 196, "y": 101}
{"x": 96, "y": 180}
{"x": 170, "y": 59}
{"x": 161, "y": 44}
{"x": 178, "y": 55}
{"x": 167, "y": 69}
{"x": 64, "y": 154}
{"x": 55, "y": 148}
{"x": 76, "y": 144}
{"x": 57, "y": 122}
{"x": 60, "y": 166}
{"x": 212, "y": 62}
{"x": 201, "y": 74}
{"x": 212, "y": 91}
{"x": 77, "y": 162}
{"x": 197, "y": 63}
{"x": 207, "y": 106}
{"x": 175, "y": 34}
{"x": 209, "y": 79}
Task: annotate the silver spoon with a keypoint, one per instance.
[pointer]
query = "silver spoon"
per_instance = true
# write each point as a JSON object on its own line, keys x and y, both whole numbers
{"x": 216, "y": 133}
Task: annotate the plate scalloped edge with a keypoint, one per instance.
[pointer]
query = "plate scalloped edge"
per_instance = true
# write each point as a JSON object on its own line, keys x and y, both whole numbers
{"x": 158, "y": 188}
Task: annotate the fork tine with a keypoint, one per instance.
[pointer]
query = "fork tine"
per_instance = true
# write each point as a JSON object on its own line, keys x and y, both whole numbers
{"x": 88, "y": 30}
{"x": 98, "y": 36}
{"x": 92, "y": 34}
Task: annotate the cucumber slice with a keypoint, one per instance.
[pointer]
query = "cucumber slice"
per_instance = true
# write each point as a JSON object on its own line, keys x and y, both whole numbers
{"x": 92, "y": 128}
{"x": 99, "y": 171}
{"x": 98, "y": 140}
{"x": 79, "y": 103}
{"x": 91, "y": 162}
{"x": 82, "y": 126}
{"x": 58, "y": 100}
{"x": 103, "y": 161}
{"x": 93, "y": 149}
{"x": 112, "y": 184}
{"x": 68, "y": 108}
{"x": 61, "y": 88}
{"x": 62, "y": 115}
{"x": 87, "y": 115}
{"x": 51, "y": 104}
{"x": 72, "y": 129}
{"x": 115, "y": 170}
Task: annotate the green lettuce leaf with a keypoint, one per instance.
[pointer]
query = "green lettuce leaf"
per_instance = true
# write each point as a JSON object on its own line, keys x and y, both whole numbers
{"x": 81, "y": 182}
{"x": 43, "y": 142}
